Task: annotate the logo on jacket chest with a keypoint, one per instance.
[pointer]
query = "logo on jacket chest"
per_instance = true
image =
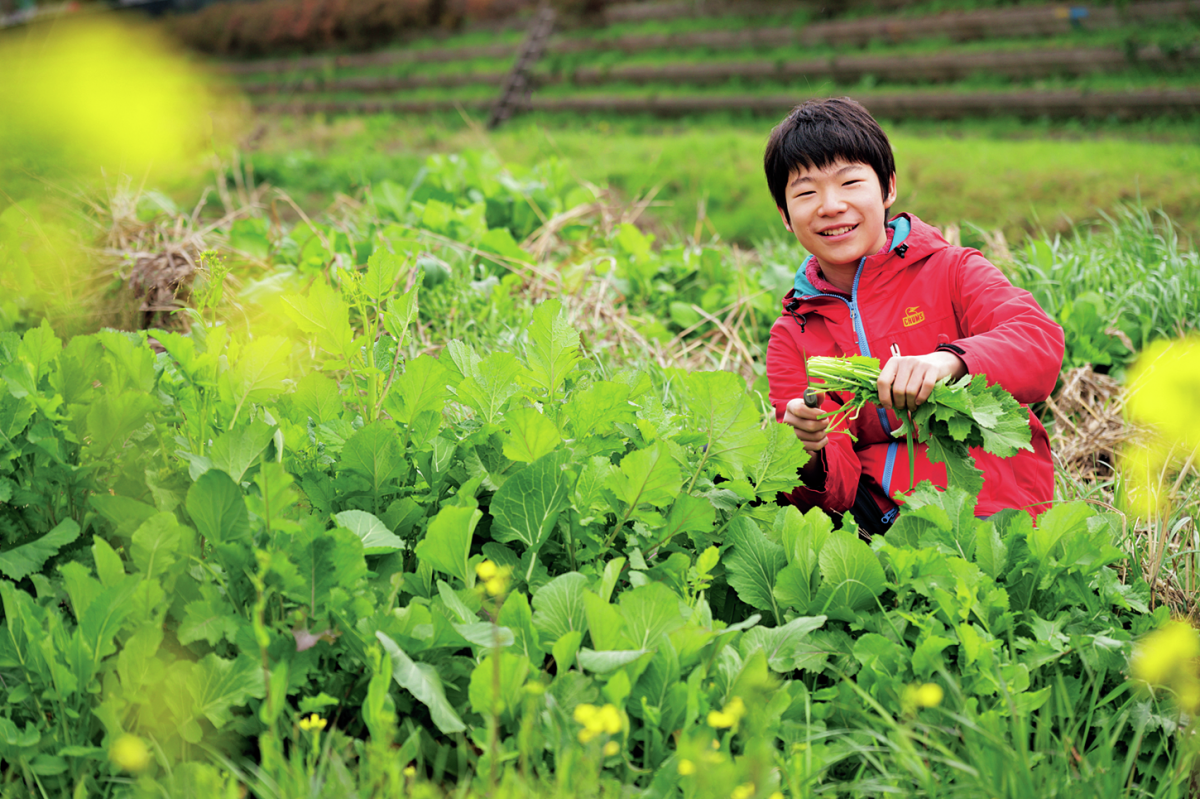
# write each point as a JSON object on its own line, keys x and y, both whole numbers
{"x": 913, "y": 315}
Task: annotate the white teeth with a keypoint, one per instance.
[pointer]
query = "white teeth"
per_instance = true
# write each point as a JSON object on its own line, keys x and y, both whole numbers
{"x": 838, "y": 231}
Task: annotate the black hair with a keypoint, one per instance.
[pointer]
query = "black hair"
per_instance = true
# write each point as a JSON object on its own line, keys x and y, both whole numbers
{"x": 819, "y": 132}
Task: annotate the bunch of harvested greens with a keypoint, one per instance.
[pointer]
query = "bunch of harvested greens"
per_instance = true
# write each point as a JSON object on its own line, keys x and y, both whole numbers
{"x": 958, "y": 415}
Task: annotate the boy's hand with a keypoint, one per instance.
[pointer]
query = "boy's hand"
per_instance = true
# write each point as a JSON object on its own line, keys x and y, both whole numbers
{"x": 906, "y": 381}
{"x": 810, "y": 427}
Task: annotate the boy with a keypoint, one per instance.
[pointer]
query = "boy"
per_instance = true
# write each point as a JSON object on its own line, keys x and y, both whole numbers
{"x": 896, "y": 291}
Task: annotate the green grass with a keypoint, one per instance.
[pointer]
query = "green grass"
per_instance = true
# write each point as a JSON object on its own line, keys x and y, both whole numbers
{"x": 1004, "y": 174}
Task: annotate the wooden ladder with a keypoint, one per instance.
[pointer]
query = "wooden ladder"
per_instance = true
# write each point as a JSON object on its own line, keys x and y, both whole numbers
{"x": 520, "y": 81}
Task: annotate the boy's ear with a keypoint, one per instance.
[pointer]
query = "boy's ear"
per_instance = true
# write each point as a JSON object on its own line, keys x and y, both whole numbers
{"x": 783, "y": 215}
{"x": 891, "y": 195}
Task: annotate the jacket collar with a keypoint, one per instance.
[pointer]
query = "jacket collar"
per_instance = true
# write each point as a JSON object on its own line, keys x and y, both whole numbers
{"x": 803, "y": 286}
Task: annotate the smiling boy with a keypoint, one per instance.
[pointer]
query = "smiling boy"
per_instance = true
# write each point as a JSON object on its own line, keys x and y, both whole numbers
{"x": 897, "y": 291}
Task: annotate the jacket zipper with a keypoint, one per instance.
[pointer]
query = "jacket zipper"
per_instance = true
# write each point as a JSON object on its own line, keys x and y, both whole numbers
{"x": 860, "y": 331}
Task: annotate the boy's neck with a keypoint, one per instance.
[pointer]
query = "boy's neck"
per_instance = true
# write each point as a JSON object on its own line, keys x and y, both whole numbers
{"x": 841, "y": 276}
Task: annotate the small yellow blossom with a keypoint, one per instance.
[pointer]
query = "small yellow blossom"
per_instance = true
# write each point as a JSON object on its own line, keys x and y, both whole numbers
{"x": 686, "y": 767}
{"x": 596, "y": 720}
{"x": 611, "y": 748}
{"x": 728, "y": 716}
{"x": 743, "y": 791}
{"x": 130, "y": 753}
{"x": 716, "y": 744}
{"x": 929, "y": 695}
{"x": 486, "y": 570}
{"x": 410, "y": 772}
{"x": 1163, "y": 654}
{"x": 776, "y": 795}
{"x": 313, "y": 722}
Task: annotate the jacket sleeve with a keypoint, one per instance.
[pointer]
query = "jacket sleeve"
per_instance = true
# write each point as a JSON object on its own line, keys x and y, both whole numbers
{"x": 834, "y": 487}
{"x": 1007, "y": 335}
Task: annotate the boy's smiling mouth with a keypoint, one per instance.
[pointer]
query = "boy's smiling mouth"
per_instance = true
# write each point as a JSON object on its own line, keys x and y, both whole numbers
{"x": 837, "y": 231}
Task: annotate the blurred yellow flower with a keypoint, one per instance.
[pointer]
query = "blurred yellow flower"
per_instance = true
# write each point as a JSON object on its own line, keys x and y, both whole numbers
{"x": 742, "y": 791}
{"x": 1166, "y": 654}
{"x": 312, "y": 722}
{"x": 130, "y": 753}
{"x": 611, "y": 748}
{"x": 686, "y": 768}
{"x": 597, "y": 721}
{"x": 728, "y": 716}
{"x": 929, "y": 695}
{"x": 1164, "y": 394}
{"x": 486, "y": 570}
{"x": 410, "y": 772}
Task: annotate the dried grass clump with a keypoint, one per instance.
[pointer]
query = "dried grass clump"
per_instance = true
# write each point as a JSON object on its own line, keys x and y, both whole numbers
{"x": 1089, "y": 424}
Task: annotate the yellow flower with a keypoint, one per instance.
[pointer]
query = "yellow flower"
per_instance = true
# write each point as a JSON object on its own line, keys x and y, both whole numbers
{"x": 586, "y": 735}
{"x": 743, "y": 791}
{"x": 610, "y": 719}
{"x": 929, "y": 695}
{"x": 686, "y": 768}
{"x": 611, "y": 748}
{"x": 130, "y": 753}
{"x": 313, "y": 722}
{"x": 584, "y": 713}
{"x": 776, "y": 795}
{"x": 486, "y": 570}
{"x": 729, "y": 716}
{"x": 716, "y": 744}
{"x": 410, "y": 772}
{"x": 1163, "y": 655}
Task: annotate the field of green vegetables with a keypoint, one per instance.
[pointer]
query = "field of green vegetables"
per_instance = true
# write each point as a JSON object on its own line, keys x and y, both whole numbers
{"x": 394, "y": 504}
{"x": 393, "y": 458}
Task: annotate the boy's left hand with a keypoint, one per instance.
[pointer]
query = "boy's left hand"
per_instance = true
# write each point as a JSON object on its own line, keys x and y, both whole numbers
{"x": 906, "y": 381}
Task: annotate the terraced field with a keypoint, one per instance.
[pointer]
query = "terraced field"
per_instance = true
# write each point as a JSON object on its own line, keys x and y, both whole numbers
{"x": 1029, "y": 61}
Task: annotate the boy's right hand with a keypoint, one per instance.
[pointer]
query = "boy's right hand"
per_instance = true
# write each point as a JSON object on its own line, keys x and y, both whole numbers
{"x": 810, "y": 427}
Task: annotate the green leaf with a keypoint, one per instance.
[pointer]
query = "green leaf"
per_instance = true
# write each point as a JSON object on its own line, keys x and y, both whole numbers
{"x": 647, "y": 476}
{"x": 565, "y": 649}
{"x": 113, "y": 417}
{"x": 260, "y": 371}
{"x": 724, "y": 413}
{"x": 753, "y": 565}
{"x": 1063, "y": 521}
{"x": 400, "y": 312}
{"x": 605, "y": 624}
{"x": 507, "y": 674}
{"x": 377, "y": 539}
{"x": 421, "y": 388}
{"x": 217, "y": 686}
{"x": 517, "y": 616}
{"x": 374, "y": 453}
{"x": 781, "y": 644}
{"x": 317, "y": 397}
{"x": 236, "y": 451}
{"x": 691, "y": 515}
{"x": 324, "y": 561}
{"x": 383, "y": 269}
{"x": 447, "y": 544}
{"x": 553, "y": 348}
{"x": 109, "y": 567}
{"x": 206, "y": 620}
{"x": 558, "y": 606}
{"x": 532, "y": 435}
{"x": 19, "y": 562}
{"x": 218, "y": 509}
{"x": 775, "y": 468}
{"x": 851, "y": 574}
{"x": 604, "y": 661}
{"x": 596, "y": 409}
{"x": 650, "y": 612}
{"x": 422, "y": 681}
{"x": 326, "y": 316}
{"x": 156, "y": 543}
{"x": 527, "y": 506}
{"x": 494, "y": 382}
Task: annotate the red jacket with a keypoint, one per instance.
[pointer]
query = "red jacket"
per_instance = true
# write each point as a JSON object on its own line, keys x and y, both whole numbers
{"x": 919, "y": 293}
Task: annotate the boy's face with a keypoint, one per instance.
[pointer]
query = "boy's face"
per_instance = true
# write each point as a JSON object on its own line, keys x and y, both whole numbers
{"x": 838, "y": 213}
